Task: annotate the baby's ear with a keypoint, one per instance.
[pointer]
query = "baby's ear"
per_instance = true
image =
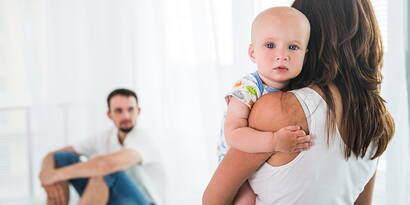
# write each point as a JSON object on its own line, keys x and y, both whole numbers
{"x": 307, "y": 50}
{"x": 251, "y": 53}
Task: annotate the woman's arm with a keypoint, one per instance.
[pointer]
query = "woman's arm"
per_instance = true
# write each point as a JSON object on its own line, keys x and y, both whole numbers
{"x": 231, "y": 173}
{"x": 365, "y": 198}
{"x": 268, "y": 114}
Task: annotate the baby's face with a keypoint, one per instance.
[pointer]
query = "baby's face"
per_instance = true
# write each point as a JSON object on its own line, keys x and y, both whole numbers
{"x": 279, "y": 44}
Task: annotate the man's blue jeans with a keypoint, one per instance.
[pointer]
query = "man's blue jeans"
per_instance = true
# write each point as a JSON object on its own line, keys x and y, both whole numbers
{"x": 122, "y": 190}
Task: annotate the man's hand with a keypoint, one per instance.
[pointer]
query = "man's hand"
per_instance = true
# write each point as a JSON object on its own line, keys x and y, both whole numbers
{"x": 57, "y": 194}
{"x": 291, "y": 139}
{"x": 48, "y": 176}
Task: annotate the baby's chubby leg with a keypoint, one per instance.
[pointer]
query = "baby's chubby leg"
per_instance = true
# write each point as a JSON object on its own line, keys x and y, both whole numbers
{"x": 245, "y": 195}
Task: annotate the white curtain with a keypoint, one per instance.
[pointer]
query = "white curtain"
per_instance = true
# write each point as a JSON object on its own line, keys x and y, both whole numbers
{"x": 395, "y": 174}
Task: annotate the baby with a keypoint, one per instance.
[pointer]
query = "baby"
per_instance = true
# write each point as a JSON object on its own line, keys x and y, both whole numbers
{"x": 279, "y": 39}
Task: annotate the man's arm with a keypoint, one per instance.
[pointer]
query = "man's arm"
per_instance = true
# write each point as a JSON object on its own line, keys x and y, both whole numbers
{"x": 267, "y": 114}
{"x": 365, "y": 198}
{"x": 97, "y": 166}
{"x": 48, "y": 164}
{"x": 56, "y": 193}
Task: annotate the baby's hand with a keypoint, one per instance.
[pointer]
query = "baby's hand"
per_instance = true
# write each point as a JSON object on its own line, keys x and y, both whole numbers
{"x": 291, "y": 139}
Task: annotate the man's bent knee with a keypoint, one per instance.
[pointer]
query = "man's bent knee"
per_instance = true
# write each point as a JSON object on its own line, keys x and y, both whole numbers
{"x": 112, "y": 178}
{"x": 63, "y": 159}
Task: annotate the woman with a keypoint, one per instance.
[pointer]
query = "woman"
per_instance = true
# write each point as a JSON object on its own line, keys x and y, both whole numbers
{"x": 337, "y": 98}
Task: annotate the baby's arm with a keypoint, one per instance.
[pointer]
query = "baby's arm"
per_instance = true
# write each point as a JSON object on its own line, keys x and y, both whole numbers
{"x": 239, "y": 135}
{"x": 245, "y": 195}
{"x": 244, "y": 138}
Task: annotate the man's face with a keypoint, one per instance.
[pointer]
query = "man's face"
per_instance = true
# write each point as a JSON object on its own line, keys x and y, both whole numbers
{"x": 123, "y": 112}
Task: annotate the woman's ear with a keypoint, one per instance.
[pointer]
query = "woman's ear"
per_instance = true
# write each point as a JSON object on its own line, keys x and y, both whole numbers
{"x": 251, "y": 53}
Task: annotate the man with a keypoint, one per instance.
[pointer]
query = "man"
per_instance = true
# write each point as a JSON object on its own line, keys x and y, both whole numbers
{"x": 109, "y": 175}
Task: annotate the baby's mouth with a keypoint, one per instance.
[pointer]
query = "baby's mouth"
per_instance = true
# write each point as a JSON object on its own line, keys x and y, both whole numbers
{"x": 281, "y": 68}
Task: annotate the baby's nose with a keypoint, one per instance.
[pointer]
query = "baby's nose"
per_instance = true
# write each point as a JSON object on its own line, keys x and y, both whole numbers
{"x": 282, "y": 57}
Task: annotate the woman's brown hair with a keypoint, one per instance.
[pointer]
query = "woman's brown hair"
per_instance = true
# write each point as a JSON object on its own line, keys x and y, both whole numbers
{"x": 345, "y": 49}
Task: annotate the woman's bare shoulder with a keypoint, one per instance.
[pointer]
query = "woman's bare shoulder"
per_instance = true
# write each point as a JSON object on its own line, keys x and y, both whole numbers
{"x": 276, "y": 110}
{"x": 277, "y": 98}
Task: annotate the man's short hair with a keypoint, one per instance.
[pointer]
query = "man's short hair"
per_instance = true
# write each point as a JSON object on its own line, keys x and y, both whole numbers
{"x": 123, "y": 92}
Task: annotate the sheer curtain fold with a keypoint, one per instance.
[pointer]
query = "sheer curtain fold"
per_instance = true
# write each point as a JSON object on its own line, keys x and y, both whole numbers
{"x": 394, "y": 88}
{"x": 178, "y": 82}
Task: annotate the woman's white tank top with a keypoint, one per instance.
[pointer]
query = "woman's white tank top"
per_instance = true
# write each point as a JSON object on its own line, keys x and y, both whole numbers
{"x": 319, "y": 176}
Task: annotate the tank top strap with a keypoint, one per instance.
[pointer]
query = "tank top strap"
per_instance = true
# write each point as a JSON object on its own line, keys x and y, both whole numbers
{"x": 310, "y": 101}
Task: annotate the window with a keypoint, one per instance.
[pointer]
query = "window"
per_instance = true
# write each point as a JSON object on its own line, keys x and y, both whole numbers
{"x": 14, "y": 158}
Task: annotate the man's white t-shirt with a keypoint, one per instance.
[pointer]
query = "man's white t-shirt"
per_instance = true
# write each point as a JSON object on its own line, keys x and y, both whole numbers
{"x": 146, "y": 173}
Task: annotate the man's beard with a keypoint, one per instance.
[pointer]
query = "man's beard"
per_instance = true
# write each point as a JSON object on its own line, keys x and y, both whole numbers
{"x": 126, "y": 130}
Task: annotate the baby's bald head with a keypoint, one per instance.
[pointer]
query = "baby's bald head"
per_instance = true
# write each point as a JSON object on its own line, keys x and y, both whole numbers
{"x": 279, "y": 16}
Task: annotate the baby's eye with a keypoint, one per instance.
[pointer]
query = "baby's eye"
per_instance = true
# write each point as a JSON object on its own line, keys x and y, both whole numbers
{"x": 293, "y": 47}
{"x": 270, "y": 45}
